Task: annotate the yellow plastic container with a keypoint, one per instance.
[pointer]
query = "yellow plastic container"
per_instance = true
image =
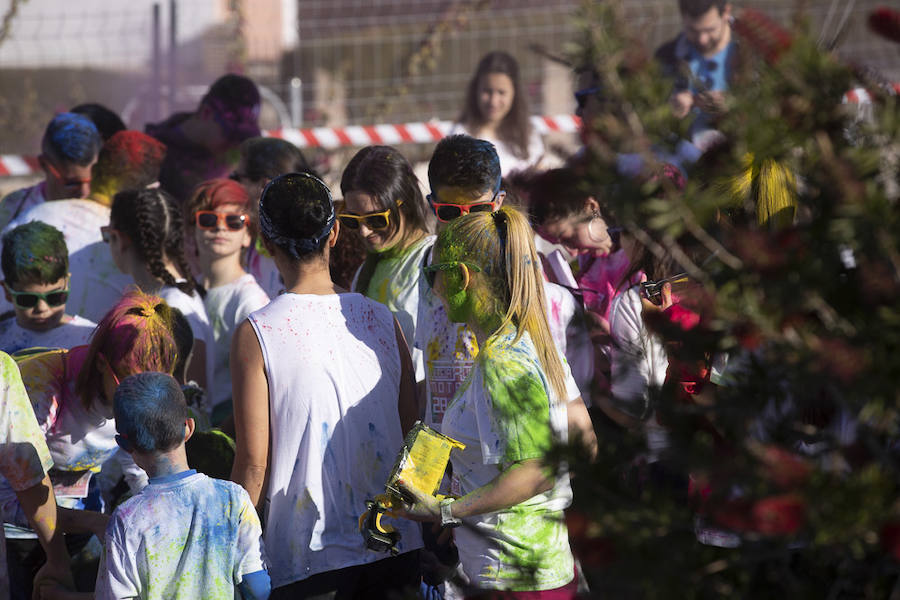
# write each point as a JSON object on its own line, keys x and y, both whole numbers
{"x": 422, "y": 461}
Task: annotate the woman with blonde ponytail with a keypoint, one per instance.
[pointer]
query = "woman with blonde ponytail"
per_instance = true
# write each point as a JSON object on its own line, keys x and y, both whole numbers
{"x": 516, "y": 403}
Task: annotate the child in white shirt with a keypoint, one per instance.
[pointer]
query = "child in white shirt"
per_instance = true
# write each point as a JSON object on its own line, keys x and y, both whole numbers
{"x": 35, "y": 264}
{"x": 185, "y": 535}
{"x": 221, "y": 223}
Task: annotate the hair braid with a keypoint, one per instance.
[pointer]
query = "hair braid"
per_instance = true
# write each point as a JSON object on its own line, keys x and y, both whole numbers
{"x": 151, "y": 221}
{"x": 173, "y": 246}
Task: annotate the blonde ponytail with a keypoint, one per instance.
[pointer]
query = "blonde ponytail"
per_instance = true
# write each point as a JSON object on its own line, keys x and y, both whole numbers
{"x": 502, "y": 244}
{"x": 527, "y": 303}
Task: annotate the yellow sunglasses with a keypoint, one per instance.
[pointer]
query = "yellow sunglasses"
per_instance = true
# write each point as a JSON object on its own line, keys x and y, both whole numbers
{"x": 372, "y": 220}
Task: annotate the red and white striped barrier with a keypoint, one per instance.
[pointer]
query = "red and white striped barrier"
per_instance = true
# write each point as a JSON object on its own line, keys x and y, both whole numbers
{"x": 336, "y": 137}
{"x": 12, "y": 165}
{"x": 857, "y": 96}
{"x": 403, "y": 133}
{"x": 862, "y": 96}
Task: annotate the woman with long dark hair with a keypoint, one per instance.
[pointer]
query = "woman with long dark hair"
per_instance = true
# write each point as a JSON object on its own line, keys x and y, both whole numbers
{"x": 383, "y": 202}
{"x": 496, "y": 110}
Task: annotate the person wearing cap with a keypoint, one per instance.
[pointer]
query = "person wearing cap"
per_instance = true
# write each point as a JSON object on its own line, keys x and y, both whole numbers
{"x": 204, "y": 144}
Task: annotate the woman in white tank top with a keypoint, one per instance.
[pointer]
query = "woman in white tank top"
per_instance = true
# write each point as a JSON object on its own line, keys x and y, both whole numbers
{"x": 323, "y": 395}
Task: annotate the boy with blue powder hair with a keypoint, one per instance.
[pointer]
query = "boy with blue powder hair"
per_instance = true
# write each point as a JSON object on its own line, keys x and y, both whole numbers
{"x": 185, "y": 535}
{"x": 69, "y": 148}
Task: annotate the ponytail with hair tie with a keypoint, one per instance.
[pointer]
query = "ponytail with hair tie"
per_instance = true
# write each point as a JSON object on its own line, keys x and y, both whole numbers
{"x": 512, "y": 271}
{"x": 134, "y": 336}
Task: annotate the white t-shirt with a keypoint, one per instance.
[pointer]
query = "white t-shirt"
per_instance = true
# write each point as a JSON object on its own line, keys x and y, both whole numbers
{"x": 184, "y": 536}
{"x": 395, "y": 283}
{"x": 449, "y": 349}
{"x": 509, "y": 162}
{"x": 569, "y": 330}
{"x": 20, "y": 201}
{"x": 639, "y": 362}
{"x": 195, "y": 312}
{"x": 226, "y": 306}
{"x": 333, "y": 368}
{"x": 507, "y": 412}
{"x": 96, "y": 283}
{"x": 24, "y": 457}
{"x": 80, "y": 439}
{"x": 74, "y": 332}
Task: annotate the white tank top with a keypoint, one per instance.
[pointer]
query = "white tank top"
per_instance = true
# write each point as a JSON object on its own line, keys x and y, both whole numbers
{"x": 333, "y": 369}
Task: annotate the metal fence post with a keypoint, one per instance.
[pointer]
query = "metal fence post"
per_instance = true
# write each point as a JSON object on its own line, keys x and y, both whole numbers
{"x": 154, "y": 111}
{"x": 296, "y": 101}
{"x": 173, "y": 53}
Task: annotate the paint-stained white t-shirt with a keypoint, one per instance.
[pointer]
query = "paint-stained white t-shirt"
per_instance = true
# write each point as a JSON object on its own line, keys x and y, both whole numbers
{"x": 226, "y": 306}
{"x": 24, "y": 457}
{"x": 74, "y": 332}
{"x": 507, "y": 412}
{"x": 185, "y": 536}
{"x": 333, "y": 370}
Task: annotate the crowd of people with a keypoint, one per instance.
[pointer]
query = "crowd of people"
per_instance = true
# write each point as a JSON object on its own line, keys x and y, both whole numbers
{"x": 182, "y": 306}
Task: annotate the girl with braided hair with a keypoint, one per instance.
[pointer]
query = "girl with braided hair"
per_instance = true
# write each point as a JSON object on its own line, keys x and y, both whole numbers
{"x": 146, "y": 240}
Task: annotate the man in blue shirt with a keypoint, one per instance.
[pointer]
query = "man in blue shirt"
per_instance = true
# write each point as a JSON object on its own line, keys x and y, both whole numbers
{"x": 700, "y": 59}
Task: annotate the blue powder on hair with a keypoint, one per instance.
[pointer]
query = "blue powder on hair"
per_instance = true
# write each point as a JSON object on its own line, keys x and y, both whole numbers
{"x": 72, "y": 138}
{"x": 150, "y": 406}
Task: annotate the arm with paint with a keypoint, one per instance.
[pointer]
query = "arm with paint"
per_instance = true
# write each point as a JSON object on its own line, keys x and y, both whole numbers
{"x": 82, "y": 521}
{"x": 407, "y": 404}
{"x": 251, "y": 413}
{"x": 39, "y": 505}
{"x": 513, "y": 419}
{"x": 250, "y": 571}
{"x": 514, "y": 485}
{"x": 24, "y": 459}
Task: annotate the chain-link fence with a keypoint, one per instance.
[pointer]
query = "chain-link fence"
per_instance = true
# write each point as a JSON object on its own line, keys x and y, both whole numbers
{"x": 357, "y": 61}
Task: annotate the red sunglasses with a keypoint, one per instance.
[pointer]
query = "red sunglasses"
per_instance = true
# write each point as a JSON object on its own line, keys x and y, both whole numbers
{"x": 446, "y": 212}
{"x": 208, "y": 219}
